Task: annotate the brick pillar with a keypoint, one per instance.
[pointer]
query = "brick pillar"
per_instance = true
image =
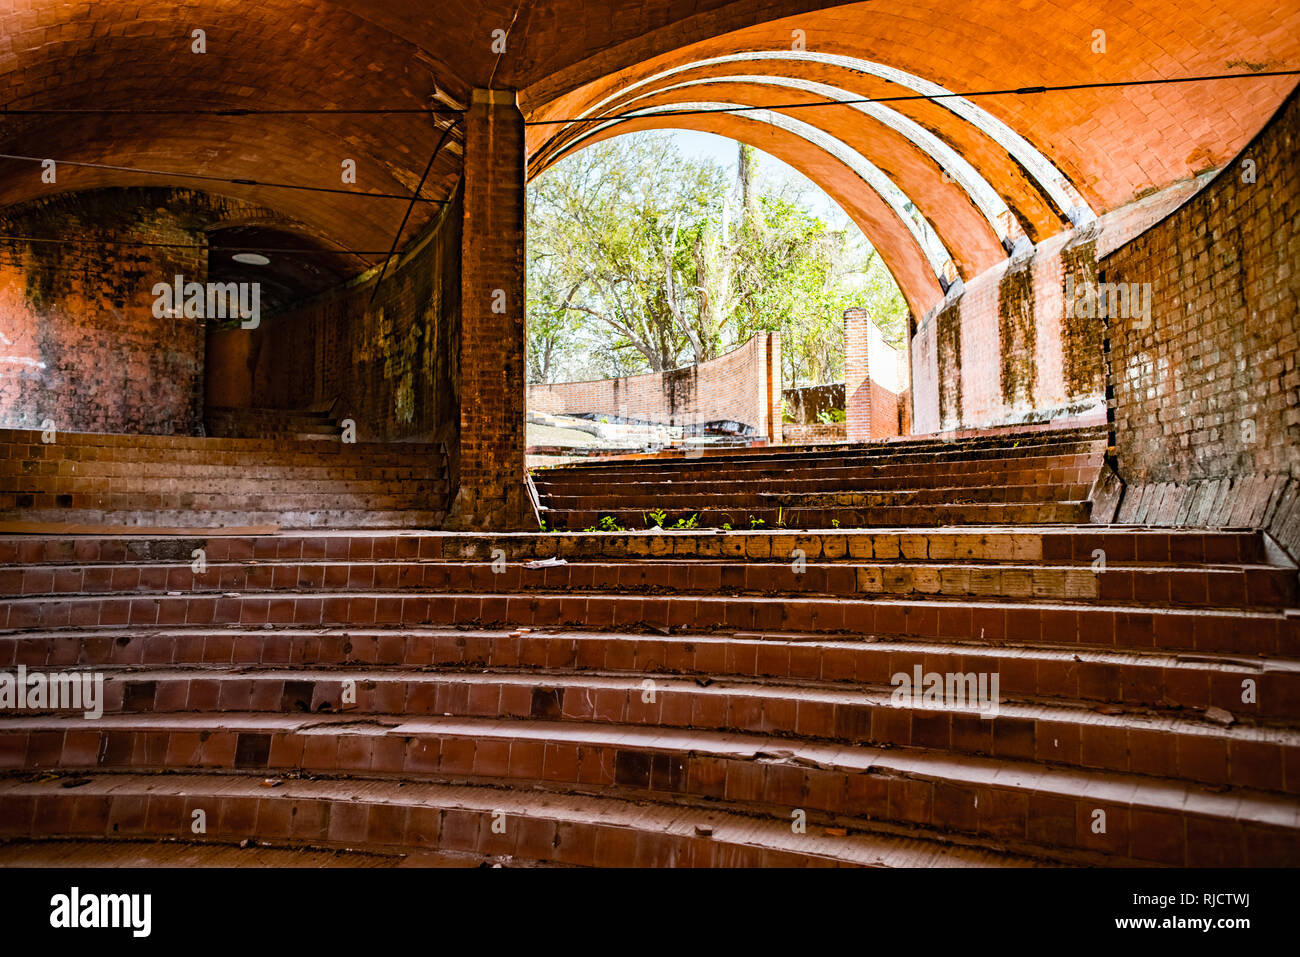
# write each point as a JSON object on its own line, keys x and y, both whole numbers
{"x": 490, "y": 465}
{"x": 857, "y": 378}
{"x": 774, "y": 384}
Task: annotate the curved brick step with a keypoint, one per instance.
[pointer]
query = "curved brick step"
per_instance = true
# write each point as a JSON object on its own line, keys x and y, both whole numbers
{"x": 1159, "y": 745}
{"x": 671, "y": 500}
{"x": 1037, "y": 513}
{"x": 381, "y": 815}
{"x": 1095, "y": 626}
{"x": 414, "y": 516}
{"x": 1136, "y": 680}
{"x": 1212, "y": 586}
{"x": 1058, "y": 545}
{"x": 1148, "y": 819}
{"x": 68, "y": 852}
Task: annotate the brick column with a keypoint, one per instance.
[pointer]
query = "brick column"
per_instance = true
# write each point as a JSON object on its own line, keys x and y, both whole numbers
{"x": 857, "y": 377}
{"x": 489, "y": 470}
{"x": 774, "y": 383}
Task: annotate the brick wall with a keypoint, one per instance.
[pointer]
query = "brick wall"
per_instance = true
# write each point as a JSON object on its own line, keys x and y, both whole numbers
{"x": 79, "y": 343}
{"x": 1207, "y": 395}
{"x": 388, "y": 366}
{"x": 1000, "y": 350}
{"x": 733, "y": 387}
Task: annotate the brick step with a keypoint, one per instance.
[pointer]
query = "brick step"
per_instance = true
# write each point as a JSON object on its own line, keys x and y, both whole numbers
{"x": 1113, "y": 627}
{"x": 867, "y": 480}
{"x": 1148, "y": 819}
{"x": 1187, "y": 682}
{"x": 102, "y": 852}
{"x": 19, "y": 443}
{"x": 682, "y": 505}
{"x": 1042, "y": 443}
{"x": 1148, "y": 743}
{"x": 915, "y": 516}
{"x": 574, "y": 829}
{"x": 63, "y": 469}
{"x": 353, "y": 515}
{"x": 1120, "y": 545}
{"x": 849, "y": 467}
{"x": 1235, "y": 586}
{"x": 287, "y": 486}
{"x": 277, "y": 460}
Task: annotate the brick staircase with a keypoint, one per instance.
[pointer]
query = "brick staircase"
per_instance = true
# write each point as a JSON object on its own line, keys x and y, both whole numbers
{"x": 686, "y": 698}
{"x": 248, "y": 423}
{"x": 1011, "y": 478}
{"x": 95, "y": 481}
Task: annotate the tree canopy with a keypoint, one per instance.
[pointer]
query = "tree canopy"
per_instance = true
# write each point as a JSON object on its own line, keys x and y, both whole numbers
{"x": 643, "y": 259}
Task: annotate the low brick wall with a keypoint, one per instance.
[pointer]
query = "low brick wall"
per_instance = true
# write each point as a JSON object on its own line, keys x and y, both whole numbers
{"x": 809, "y": 402}
{"x": 742, "y": 386}
{"x": 815, "y": 433}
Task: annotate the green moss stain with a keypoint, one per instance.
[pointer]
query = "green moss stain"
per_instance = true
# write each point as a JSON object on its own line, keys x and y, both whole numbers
{"x": 1017, "y": 334}
{"x": 1081, "y": 337}
{"x": 947, "y": 327}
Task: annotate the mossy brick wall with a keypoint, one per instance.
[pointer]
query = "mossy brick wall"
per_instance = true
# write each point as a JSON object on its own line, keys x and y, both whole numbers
{"x": 79, "y": 343}
{"x": 389, "y": 366}
{"x": 1207, "y": 395}
{"x": 1002, "y": 351}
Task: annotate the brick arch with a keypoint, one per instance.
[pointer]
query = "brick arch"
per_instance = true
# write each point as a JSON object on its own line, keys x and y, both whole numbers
{"x": 265, "y": 55}
{"x": 1038, "y": 213}
{"x": 1112, "y": 144}
{"x": 876, "y": 218}
{"x": 967, "y": 234}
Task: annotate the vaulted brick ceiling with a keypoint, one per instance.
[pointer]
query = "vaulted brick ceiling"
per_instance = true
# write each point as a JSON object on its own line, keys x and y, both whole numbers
{"x": 1028, "y": 163}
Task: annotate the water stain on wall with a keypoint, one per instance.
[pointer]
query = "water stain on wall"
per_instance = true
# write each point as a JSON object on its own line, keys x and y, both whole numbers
{"x": 1017, "y": 334}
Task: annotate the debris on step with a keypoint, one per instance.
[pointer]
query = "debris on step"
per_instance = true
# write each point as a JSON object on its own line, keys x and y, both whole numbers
{"x": 1220, "y": 716}
{"x": 545, "y": 563}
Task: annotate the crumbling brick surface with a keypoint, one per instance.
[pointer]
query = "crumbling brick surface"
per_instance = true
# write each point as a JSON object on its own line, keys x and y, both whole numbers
{"x": 79, "y": 343}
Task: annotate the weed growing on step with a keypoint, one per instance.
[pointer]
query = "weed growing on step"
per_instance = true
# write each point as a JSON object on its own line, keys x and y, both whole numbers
{"x": 608, "y": 523}
{"x": 658, "y": 516}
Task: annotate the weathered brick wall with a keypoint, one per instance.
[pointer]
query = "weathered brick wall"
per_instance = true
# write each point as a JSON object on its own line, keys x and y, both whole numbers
{"x": 1207, "y": 394}
{"x": 732, "y": 387}
{"x": 388, "y": 366}
{"x": 1000, "y": 350}
{"x": 79, "y": 343}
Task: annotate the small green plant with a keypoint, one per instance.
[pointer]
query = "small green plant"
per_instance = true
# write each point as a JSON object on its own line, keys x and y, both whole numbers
{"x": 608, "y": 523}
{"x": 692, "y": 522}
{"x": 755, "y": 522}
{"x": 780, "y": 517}
{"x": 835, "y": 523}
{"x": 658, "y": 516}
{"x": 726, "y": 526}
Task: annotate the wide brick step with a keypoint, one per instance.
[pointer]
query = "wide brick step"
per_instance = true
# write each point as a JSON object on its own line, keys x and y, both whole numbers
{"x": 259, "y": 469}
{"x": 916, "y": 516}
{"x": 798, "y": 482}
{"x": 1084, "y": 545}
{"x": 103, "y": 852}
{"x": 356, "y": 515}
{"x": 846, "y": 467}
{"x": 1115, "y": 627}
{"x": 539, "y": 825}
{"x": 1188, "y": 683}
{"x": 1044, "y": 442}
{"x": 671, "y": 500}
{"x": 1258, "y": 586}
{"x": 27, "y": 443}
{"x": 1157, "y": 744}
{"x": 1147, "y": 819}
